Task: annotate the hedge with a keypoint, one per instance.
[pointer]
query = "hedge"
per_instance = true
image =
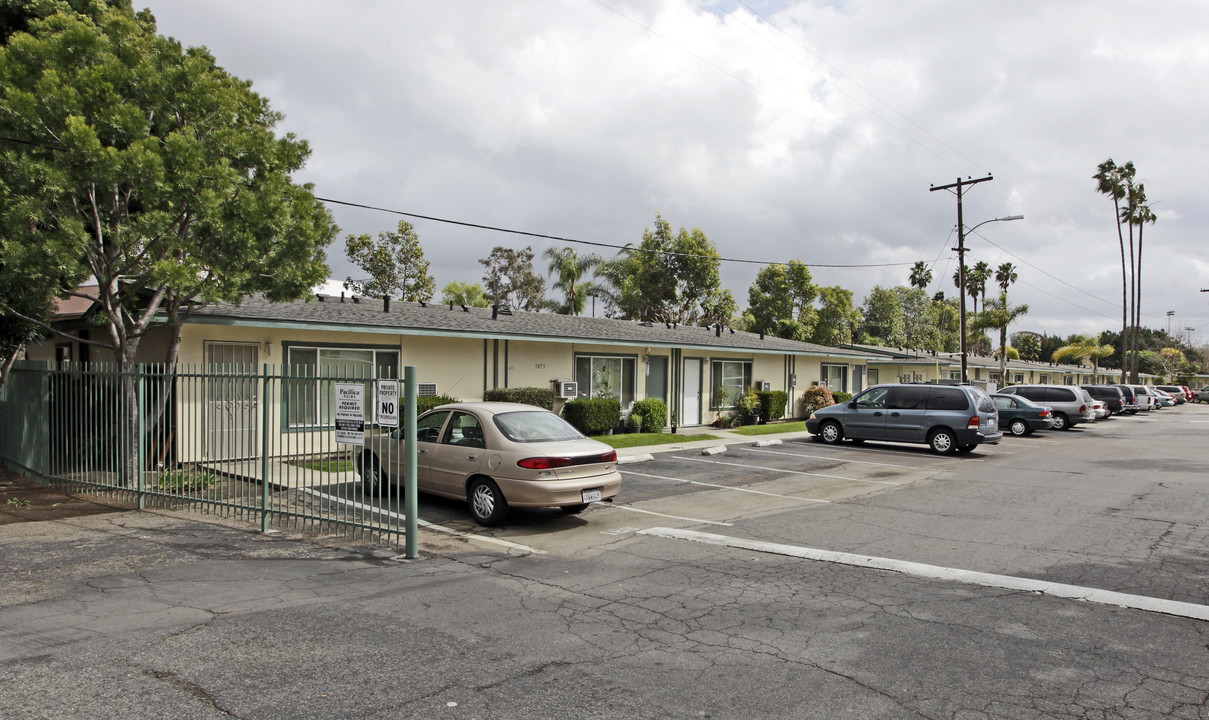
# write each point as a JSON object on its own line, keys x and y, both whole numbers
{"x": 772, "y": 404}
{"x": 424, "y": 403}
{"x": 593, "y": 416}
{"x": 541, "y": 397}
{"x": 815, "y": 397}
{"x": 653, "y": 412}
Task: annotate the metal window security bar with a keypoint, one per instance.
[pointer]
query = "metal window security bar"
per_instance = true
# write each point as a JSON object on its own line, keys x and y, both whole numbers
{"x": 216, "y": 438}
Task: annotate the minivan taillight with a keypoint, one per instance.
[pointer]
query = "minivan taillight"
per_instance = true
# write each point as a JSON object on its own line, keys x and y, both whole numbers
{"x": 1082, "y": 408}
{"x": 974, "y": 423}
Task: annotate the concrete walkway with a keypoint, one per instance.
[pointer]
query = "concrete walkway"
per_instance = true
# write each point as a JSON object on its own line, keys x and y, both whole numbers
{"x": 720, "y": 438}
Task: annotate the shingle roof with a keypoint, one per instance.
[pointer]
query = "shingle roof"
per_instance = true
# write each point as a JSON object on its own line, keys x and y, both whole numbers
{"x": 412, "y": 318}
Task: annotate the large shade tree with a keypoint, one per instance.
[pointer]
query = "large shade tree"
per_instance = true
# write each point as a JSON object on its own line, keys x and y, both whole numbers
{"x": 511, "y": 280}
{"x": 781, "y": 300}
{"x": 148, "y": 167}
{"x": 394, "y": 262}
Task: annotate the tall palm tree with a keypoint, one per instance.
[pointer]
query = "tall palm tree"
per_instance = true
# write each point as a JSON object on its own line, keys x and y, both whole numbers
{"x": 1085, "y": 349}
{"x": 570, "y": 268}
{"x": 1006, "y": 275}
{"x": 982, "y": 273}
{"x": 1110, "y": 181}
{"x": 1140, "y": 215}
{"x": 997, "y": 315}
{"x": 921, "y": 275}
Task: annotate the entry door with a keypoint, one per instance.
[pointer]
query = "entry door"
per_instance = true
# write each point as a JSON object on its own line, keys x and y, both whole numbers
{"x": 691, "y": 399}
{"x": 656, "y": 378}
{"x": 232, "y": 420}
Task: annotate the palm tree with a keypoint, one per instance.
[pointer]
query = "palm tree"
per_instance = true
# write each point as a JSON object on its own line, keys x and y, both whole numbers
{"x": 998, "y": 314}
{"x": 1085, "y": 349}
{"x": 921, "y": 275}
{"x": 982, "y": 273}
{"x": 1110, "y": 180}
{"x": 570, "y": 268}
{"x": 1006, "y": 275}
{"x": 1139, "y": 214}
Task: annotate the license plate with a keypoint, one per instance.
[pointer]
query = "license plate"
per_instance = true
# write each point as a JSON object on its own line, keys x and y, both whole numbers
{"x": 591, "y": 495}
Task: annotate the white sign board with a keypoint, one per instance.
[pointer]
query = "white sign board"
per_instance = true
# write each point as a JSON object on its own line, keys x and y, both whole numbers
{"x": 350, "y": 413}
{"x": 388, "y": 403}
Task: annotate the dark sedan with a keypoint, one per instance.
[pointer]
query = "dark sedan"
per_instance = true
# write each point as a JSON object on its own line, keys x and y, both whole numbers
{"x": 1021, "y": 416}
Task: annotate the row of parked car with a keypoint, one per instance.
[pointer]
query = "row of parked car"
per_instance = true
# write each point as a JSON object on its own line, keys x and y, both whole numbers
{"x": 957, "y": 418}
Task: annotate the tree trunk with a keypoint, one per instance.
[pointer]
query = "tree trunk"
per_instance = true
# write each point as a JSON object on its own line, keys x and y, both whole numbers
{"x": 1124, "y": 301}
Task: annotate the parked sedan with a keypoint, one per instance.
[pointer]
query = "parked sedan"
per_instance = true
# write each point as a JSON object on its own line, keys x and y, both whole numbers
{"x": 1021, "y": 416}
{"x": 1163, "y": 398}
{"x": 1176, "y": 392}
{"x": 495, "y": 456}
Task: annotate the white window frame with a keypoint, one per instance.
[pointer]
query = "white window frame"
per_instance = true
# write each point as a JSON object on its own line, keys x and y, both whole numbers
{"x": 297, "y": 390}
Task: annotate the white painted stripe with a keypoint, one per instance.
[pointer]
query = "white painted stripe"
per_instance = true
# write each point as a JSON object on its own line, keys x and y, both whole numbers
{"x": 424, "y": 523}
{"x": 791, "y": 472}
{"x": 843, "y": 460}
{"x": 674, "y": 517}
{"x": 724, "y": 487}
{"x": 936, "y": 572}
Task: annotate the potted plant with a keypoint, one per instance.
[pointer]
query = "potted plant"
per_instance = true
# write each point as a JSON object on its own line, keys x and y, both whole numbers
{"x": 635, "y": 422}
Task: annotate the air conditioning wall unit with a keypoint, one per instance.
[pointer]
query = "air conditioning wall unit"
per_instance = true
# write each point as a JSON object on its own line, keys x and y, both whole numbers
{"x": 566, "y": 388}
{"x": 764, "y": 385}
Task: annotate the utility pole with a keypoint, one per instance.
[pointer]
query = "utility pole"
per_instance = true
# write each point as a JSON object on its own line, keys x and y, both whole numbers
{"x": 961, "y": 260}
{"x": 1169, "y": 314}
{"x": 1189, "y": 329}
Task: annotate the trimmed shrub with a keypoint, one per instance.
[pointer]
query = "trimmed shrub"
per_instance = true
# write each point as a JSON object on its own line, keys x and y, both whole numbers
{"x": 772, "y": 404}
{"x": 541, "y": 397}
{"x": 815, "y": 397}
{"x": 653, "y": 412}
{"x": 592, "y": 416}
{"x": 428, "y": 402}
{"x": 841, "y": 397}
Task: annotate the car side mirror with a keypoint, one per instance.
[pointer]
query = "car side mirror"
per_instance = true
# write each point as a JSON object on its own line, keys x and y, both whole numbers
{"x": 852, "y": 404}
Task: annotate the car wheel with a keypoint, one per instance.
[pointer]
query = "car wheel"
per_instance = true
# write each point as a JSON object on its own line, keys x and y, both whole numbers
{"x": 1019, "y": 427}
{"x": 943, "y": 442}
{"x": 574, "y": 509}
{"x": 1061, "y": 422}
{"x": 487, "y": 504}
{"x": 373, "y": 478}
{"x": 831, "y": 433}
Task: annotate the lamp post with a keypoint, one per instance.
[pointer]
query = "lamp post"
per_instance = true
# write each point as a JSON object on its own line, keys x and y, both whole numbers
{"x": 1169, "y": 314}
{"x": 961, "y": 271}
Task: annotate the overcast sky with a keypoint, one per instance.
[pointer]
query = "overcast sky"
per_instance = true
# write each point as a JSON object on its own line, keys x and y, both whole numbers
{"x": 808, "y": 130}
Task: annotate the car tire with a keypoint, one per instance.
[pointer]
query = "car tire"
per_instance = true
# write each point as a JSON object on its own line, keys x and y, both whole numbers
{"x": 1018, "y": 428}
{"x": 373, "y": 478}
{"x": 831, "y": 432}
{"x": 942, "y": 442}
{"x": 573, "y": 509}
{"x": 487, "y": 504}
{"x": 1061, "y": 422}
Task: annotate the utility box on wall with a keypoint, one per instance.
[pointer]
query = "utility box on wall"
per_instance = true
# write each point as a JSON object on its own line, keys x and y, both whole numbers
{"x": 566, "y": 389}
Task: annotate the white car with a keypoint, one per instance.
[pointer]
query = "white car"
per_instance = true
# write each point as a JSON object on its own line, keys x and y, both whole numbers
{"x": 1100, "y": 408}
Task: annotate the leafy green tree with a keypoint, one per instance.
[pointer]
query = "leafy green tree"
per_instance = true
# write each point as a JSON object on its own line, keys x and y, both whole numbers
{"x": 780, "y": 294}
{"x": 837, "y": 318}
{"x": 884, "y": 321}
{"x": 165, "y": 181}
{"x": 460, "y": 293}
{"x": 921, "y": 275}
{"x": 1028, "y": 346}
{"x": 395, "y": 264}
{"x": 998, "y": 315}
{"x": 570, "y": 269}
{"x": 948, "y": 322}
{"x": 921, "y": 327}
{"x": 668, "y": 277}
{"x": 511, "y": 280}
{"x": 720, "y": 309}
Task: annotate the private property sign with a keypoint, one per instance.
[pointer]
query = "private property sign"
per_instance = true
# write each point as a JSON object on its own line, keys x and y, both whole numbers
{"x": 388, "y": 403}
{"x": 350, "y": 413}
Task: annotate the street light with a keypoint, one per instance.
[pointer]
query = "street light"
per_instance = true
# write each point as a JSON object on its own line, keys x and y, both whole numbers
{"x": 961, "y": 272}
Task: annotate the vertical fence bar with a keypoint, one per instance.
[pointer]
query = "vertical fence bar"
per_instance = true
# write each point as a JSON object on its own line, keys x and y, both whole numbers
{"x": 411, "y": 505}
{"x": 264, "y": 449}
{"x": 140, "y": 375}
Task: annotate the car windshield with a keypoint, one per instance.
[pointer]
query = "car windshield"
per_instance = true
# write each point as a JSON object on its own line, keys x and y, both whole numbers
{"x": 531, "y": 426}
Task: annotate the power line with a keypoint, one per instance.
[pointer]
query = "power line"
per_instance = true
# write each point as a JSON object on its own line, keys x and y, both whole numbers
{"x": 622, "y": 248}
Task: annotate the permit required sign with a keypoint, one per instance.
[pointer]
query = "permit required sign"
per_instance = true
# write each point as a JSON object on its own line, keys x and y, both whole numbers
{"x": 350, "y": 413}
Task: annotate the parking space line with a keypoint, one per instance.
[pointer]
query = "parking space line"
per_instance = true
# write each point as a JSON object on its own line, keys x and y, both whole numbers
{"x": 843, "y": 460}
{"x": 724, "y": 487}
{"x": 424, "y": 523}
{"x": 936, "y": 572}
{"x": 792, "y": 472}
{"x": 631, "y": 508}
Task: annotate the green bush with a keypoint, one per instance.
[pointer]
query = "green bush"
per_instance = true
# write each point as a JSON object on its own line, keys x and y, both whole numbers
{"x": 428, "y": 402}
{"x": 592, "y": 416}
{"x": 841, "y": 397}
{"x": 772, "y": 404}
{"x": 815, "y": 397}
{"x": 653, "y": 412}
{"x": 541, "y": 397}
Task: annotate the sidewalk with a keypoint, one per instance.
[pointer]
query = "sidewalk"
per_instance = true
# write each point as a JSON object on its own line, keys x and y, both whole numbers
{"x": 721, "y": 438}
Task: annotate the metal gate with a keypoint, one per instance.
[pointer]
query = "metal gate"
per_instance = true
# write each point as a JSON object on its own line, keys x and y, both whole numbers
{"x": 232, "y": 401}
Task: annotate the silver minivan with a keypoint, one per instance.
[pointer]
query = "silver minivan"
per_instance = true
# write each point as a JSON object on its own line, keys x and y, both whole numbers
{"x": 947, "y": 418}
{"x": 1071, "y": 404}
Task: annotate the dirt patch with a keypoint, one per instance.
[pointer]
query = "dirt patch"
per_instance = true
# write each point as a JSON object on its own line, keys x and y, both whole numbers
{"x": 23, "y": 499}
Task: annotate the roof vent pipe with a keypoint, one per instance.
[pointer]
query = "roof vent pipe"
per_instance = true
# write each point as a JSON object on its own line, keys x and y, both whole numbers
{"x": 450, "y": 304}
{"x": 341, "y": 297}
{"x": 495, "y": 312}
{"x": 761, "y": 334}
{"x": 718, "y": 330}
{"x": 465, "y": 308}
{"x": 357, "y": 299}
{"x": 386, "y": 303}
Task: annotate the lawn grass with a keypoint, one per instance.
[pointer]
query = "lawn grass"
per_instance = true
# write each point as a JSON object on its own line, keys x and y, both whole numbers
{"x": 334, "y": 466}
{"x": 630, "y": 440}
{"x": 799, "y": 426}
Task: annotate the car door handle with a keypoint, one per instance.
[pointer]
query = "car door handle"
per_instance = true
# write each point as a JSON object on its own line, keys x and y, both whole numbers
{"x": 472, "y": 457}
{"x": 894, "y": 414}
{"x": 877, "y": 414}
{"x": 423, "y": 452}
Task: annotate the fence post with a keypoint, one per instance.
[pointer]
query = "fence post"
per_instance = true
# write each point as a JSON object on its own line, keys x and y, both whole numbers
{"x": 264, "y": 449}
{"x": 140, "y": 371}
{"x": 411, "y": 505}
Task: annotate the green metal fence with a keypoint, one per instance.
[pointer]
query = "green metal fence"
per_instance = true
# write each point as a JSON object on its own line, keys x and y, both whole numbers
{"x": 257, "y": 443}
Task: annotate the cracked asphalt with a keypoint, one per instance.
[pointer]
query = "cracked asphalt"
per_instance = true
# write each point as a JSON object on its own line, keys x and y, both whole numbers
{"x": 157, "y": 614}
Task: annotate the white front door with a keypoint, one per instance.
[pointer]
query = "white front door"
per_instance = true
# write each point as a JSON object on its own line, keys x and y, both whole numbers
{"x": 691, "y": 391}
